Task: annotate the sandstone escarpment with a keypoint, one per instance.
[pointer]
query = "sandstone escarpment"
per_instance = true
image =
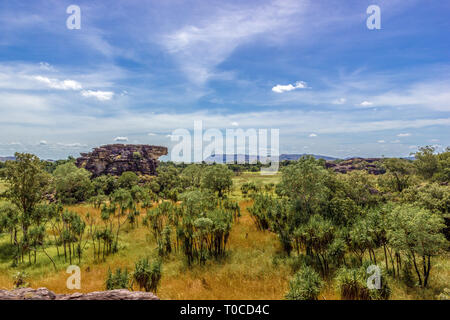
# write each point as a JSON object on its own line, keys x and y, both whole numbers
{"x": 45, "y": 294}
{"x": 115, "y": 159}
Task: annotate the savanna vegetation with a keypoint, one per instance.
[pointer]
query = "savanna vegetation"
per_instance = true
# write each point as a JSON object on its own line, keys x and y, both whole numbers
{"x": 203, "y": 231}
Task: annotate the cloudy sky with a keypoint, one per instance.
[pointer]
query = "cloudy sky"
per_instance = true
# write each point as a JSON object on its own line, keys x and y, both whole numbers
{"x": 137, "y": 70}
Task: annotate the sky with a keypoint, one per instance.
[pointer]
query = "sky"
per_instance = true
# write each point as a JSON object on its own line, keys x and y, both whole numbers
{"x": 137, "y": 70}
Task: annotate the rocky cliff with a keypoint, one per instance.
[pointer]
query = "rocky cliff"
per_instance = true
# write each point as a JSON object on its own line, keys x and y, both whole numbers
{"x": 115, "y": 159}
{"x": 45, "y": 294}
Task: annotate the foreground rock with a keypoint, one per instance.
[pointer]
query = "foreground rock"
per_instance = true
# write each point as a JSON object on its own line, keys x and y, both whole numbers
{"x": 115, "y": 159}
{"x": 45, "y": 294}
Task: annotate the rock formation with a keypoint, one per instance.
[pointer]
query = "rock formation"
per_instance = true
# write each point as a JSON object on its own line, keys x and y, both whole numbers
{"x": 371, "y": 165}
{"x": 115, "y": 159}
{"x": 45, "y": 294}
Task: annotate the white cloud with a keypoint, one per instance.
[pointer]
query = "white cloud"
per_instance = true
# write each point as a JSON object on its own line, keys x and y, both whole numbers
{"x": 289, "y": 87}
{"x": 120, "y": 139}
{"x": 151, "y": 134}
{"x": 46, "y": 66}
{"x": 205, "y": 42}
{"x": 99, "y": 95}
{"x": 404, "y": 135}
{"x": 234, "y": 124}
{"x": 312, "y": 135}
{"x": 366, "y": 103}
{"x": 72, "y": 145}
{"x": 339, "y": 101}
{"x": 395, "y": 141}
{"x": 60, "y": 85}
{"x": 43, "y": 142}
{"x": 381, "y": 141}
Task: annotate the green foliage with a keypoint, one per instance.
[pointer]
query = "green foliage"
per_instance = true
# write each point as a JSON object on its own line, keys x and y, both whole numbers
{"x": 305, "y": 285}
{"x": 426, "y": 162}
{"x": 128, "y": 180}
{"x": 148, "y": 275}
{"x": 398, "y": 174}
{"x": 417, "y": 232}
{"x": 73, "y": 185}
{"x": 217, "y": 178}
{"x": 118, "y": 280}
{"x": 352, "y": 284}
{"x": 105, "y": 184}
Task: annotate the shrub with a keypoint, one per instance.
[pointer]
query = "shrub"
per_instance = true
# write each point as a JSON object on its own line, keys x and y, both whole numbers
{"x": 352, "y": 284}
{"x": 305, "y": 285}
{"x": 148, "y": 275}
{"x": 20, "y": 280}
{"x": 118, "y": 280}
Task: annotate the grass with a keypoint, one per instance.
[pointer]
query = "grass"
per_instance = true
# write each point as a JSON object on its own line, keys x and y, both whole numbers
{"x": 249, "y": 271}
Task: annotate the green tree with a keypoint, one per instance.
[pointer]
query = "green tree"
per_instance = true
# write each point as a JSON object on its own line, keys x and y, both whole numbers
{"x": 128, "y": 180}
{"x": 217, "y": 178}
{"x": 426, "y": 162}
{"x": 27, "y": 186}
{"x": 73, "y": 185}
{"x": 417, "y": 232}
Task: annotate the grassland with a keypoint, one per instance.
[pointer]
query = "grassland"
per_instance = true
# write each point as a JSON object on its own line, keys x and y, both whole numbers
{"x": 253, "y": 268}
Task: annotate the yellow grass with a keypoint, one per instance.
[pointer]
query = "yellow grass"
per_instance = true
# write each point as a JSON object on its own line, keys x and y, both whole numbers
{"x": 248, "y": 271}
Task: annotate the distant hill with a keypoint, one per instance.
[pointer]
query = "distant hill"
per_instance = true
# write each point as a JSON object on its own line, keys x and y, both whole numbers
{"x": 244, "y": 158}
{"x": 3, "y": 159}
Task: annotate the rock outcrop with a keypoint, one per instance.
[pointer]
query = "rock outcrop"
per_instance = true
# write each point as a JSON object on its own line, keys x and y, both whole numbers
{"x": 45, "y": 294}
{"x": 371, "y": 165}
{"x": 115, "y": 159}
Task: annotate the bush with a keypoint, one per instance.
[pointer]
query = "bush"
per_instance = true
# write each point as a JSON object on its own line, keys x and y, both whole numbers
{"x": 128, "y": 180}
{"x": 352, "y": 284}
{"x": 20, "y": 280}
{"x": 119, "y": 280}
{"x": 305, "y": 285}
{"x": 73, "y": 185}
{"x": 147, "y": 275}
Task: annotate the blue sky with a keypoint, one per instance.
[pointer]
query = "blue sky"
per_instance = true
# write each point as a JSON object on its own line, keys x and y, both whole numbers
{"x": 141, "y": 69}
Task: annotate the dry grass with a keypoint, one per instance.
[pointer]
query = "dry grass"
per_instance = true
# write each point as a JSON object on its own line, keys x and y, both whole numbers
{"x": 248, "y": 271}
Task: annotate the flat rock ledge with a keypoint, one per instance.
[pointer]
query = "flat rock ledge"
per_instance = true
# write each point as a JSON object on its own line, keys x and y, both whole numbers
{"x": 45, "y": 294}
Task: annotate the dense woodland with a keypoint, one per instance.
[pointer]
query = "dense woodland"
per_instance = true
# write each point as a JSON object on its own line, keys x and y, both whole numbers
{"x": 328, "y": 227}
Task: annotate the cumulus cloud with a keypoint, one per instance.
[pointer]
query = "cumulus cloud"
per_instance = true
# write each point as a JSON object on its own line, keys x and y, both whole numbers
{"x": 381, "y": 141}
{"x": 289, "y": 87}
{"x": 60, "y": 85}
{"x": 151, "y": 134}
{"x": 234, "y": 124}
{"x": 366, "y": 104}
{"x": 99, "y": 95}
{"x": 312, "y": 135}
{"x": 121, "y": 139}
{"x": 43, "y": 142}
{"x": 404, "y": 135}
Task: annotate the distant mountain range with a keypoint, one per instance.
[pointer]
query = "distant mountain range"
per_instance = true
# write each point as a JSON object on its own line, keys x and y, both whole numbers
{"x": 3, "y": 159}
{"x": 245, "y": 158}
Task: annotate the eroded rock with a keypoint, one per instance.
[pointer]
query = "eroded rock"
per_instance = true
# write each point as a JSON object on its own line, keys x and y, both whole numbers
{"x": 115, "y": 159}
